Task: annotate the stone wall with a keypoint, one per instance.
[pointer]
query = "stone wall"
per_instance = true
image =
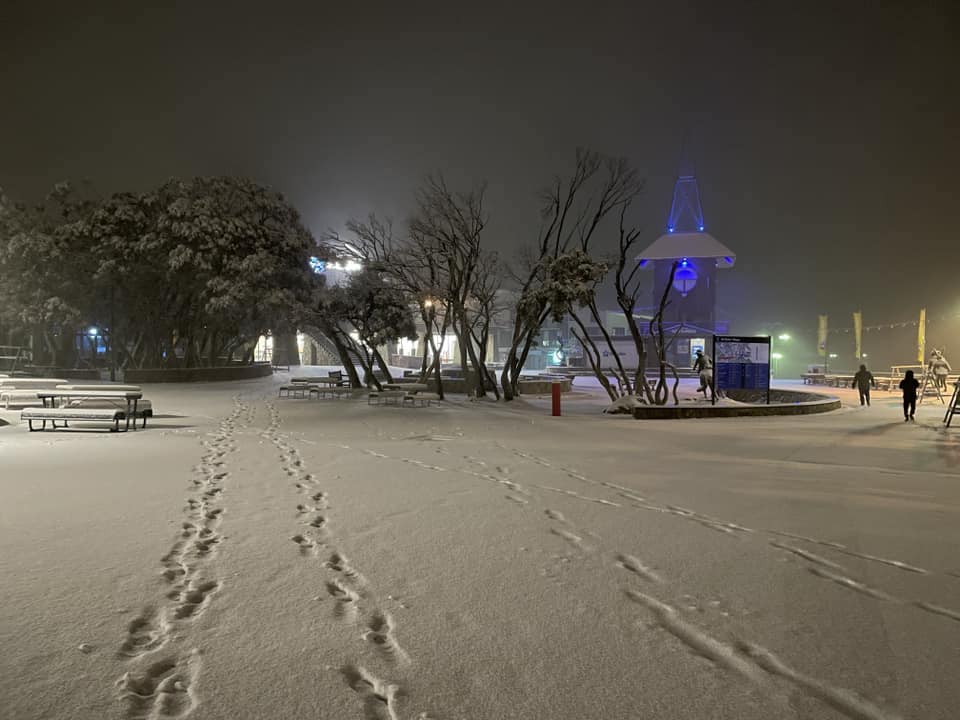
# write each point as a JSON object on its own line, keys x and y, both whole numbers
{"x": 214, "y": 374}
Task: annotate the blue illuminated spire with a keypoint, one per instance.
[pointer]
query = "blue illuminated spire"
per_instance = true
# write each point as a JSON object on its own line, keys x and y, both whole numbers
{"x": 686, "y": 215}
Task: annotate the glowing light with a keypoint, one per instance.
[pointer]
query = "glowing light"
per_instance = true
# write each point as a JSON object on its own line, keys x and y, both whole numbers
{"x": 317, "y": 265}
{"x": 685, "y": 278}
{"x": 348, "y": 266}
{"x": 784, "y": 337}
{"x": 643, "y": 263}
{"x": 833, "y": 355}
{"x": 776, "y": 356}
{"x": 701, "y": 228}
{"x": 93, "y": 332}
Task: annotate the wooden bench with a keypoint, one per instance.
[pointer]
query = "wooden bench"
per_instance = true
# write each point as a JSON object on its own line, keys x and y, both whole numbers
{"x": 65, "y": 415}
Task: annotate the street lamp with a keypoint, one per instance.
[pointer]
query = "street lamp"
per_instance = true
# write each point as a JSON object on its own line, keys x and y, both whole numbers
{"x": 784, "y": 337}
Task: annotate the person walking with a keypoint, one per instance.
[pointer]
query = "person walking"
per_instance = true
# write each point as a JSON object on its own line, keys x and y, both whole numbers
{"x": 704, "y": 366}
{"x": 909, "y": 387}
{"x": 862, "y": 382}
{"x": 940, "y": 369}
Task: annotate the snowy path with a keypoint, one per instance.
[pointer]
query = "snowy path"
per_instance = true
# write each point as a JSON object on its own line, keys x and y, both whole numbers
{"x": 256, "y": 557}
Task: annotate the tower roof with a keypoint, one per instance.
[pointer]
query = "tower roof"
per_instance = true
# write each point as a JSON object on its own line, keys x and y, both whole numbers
{"x": 685, "y": 237}
{"x": 677, "y": 245}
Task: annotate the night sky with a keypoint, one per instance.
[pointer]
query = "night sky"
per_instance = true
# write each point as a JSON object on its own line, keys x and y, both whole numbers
{"x": 825, "y": 137}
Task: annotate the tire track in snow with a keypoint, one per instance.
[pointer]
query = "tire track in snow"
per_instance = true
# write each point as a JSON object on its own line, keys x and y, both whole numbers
{"x": 759, "y": 666}
{"x": 731, "y": 528}
{"x": 749, "y": 660}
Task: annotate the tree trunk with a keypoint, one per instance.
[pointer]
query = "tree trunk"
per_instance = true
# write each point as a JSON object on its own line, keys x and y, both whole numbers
{"x": 381, "y": 363}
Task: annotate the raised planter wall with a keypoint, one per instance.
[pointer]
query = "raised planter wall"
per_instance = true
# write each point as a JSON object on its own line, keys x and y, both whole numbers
{"x": 525, "y": 387}
{"x": 213, "y": 374}
{"x": 782, "y": 402}
{"x": 66, "y": 374}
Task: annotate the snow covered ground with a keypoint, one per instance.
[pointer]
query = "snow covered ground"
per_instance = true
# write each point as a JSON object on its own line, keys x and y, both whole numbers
{"x": 249, "y": 557}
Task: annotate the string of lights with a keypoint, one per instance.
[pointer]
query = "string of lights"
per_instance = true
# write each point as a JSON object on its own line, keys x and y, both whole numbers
{"x": 886, "y": 326}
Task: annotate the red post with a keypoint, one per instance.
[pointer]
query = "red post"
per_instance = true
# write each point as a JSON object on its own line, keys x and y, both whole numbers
{"x": 556, "y": 399}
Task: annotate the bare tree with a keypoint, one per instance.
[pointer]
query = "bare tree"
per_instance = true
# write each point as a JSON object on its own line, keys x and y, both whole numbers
{"x": 450, "y": 223}
{"x": 412, "y": 263}
{"x": 661, "y": 344}
{"x": 573, "y": 210}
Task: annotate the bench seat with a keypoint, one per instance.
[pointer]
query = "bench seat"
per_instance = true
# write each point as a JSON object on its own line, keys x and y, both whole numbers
{"x": 144, "y": 407}
{"x": 64, "y": 415}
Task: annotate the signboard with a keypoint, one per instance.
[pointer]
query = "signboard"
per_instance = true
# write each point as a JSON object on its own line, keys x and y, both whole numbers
{"x": 697, "y": 344}
{"x": 741, "y": 363}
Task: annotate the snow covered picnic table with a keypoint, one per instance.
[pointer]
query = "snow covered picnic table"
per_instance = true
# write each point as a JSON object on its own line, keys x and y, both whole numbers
{"x": 408, "y": 387}
{"x": 316, "y": 380}
{"x": 22, "y": 391}
{"x": 402, "y": 393}
{"x": 57, "y": 406}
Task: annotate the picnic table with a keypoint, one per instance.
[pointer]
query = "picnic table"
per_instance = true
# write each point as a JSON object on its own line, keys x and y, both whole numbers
{"x": 402, "y": 393}
{"x": 56, "y": 408}
{"x": 23, "y": 390}
{"x": 410, "y": 387}
{"x": 31, "y": 382}
{"x": 316, "y": 380}
{"x": 839, "y": 381}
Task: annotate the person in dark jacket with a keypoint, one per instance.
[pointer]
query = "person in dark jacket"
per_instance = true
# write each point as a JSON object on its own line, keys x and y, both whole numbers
{"x": 909, "y": 387}
{"x": 862, "y": 382}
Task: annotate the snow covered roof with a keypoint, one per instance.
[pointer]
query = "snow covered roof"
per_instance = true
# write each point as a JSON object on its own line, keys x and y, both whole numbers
{"x": 688, "y": 245}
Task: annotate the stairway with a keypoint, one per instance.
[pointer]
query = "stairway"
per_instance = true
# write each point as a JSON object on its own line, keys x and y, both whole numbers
{"x": 326, "y": 350}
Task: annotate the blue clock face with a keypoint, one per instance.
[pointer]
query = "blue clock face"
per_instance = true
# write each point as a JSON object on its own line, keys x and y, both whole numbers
{"x": 318, "y": 265}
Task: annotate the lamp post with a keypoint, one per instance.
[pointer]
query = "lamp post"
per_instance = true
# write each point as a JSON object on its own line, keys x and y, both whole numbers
{"x": 782, "y": 337}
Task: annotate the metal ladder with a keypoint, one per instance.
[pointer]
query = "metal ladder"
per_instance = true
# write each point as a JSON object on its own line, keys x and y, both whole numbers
{"x": 929, "y": 384}
{"x": 952, "y": 407}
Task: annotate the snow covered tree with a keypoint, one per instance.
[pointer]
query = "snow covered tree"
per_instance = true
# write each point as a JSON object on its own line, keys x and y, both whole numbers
{"x": 573, "y": 210}
{"x": 45, "y": 291}
{"x": 364, "y": 315}
{"x": 189, "y": 273}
